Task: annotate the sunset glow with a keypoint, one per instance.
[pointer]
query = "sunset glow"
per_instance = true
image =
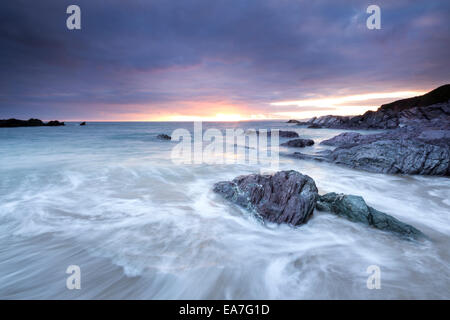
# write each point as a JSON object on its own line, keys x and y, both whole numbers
{"x": 344, "y": 105}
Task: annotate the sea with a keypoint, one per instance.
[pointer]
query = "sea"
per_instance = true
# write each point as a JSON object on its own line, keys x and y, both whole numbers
{"x": 109, "y": 199}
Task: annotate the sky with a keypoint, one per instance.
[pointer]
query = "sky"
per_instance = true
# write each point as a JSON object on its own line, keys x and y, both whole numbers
{"x": 227, "y": 60}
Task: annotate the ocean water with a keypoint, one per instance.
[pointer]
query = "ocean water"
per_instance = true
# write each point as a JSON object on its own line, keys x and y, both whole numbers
{"x": 108, "y": 198}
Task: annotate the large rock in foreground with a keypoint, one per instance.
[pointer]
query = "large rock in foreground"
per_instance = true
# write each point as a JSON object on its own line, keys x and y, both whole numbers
{"x": 355, "y": 209}
{"x": 285, "y": 197}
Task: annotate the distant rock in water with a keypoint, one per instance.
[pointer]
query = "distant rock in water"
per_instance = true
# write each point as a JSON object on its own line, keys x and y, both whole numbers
{"x": 281, "y": 133}
{"x": 298, "y": 143}
{"x": 355, "y": 209}
{"x": 314, "y": 126}
{"x": 287, "y": 134}
{"x": 54, "y": 123}
{"x": 83, "y": 123}
{"x": 430, "y": 109}
{"x": 285, "y": 197}
{"x": 13, "y": 123}
{"x": 164, "y": 137}
{"x": 293, "y": 121}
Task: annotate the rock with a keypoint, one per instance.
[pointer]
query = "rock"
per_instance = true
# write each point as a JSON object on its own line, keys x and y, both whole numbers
{"x": 314, "y": 126}
{"x": 318, "y": 156}
{"x": 395, "y": 157}
{"x": 285, "y": 197}
{"x": 83, "y": 123}
{"x": 54, "y": 123}
{"x": 13, "y": 123}
{"x": 281, "y": 133}
{"x": 355, "y": 209}
{"x": 392, "y": 156}
{"x": 437, "y": 137}
{"x": 436, "y": 96}
{"x": 293, "y": 121}
{"x": 164, "y": 137}
{"x": 298, "y": 143}
{"x": 409, "y": 150}
{"x": 349, "y": 139}
{"x": 287, "y": 134}
{"x": 343, "y": 139}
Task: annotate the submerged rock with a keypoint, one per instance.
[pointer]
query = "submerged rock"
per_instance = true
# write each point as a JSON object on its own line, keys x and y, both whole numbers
{"x": 164, "y": 137}
{"x": 298, "y": 143}
{"x": 285, "y": 197}
{"x": 355, "y": 209}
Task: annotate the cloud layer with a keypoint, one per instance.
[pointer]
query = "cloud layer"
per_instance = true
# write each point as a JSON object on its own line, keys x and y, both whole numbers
{"x": 152, "y": 59}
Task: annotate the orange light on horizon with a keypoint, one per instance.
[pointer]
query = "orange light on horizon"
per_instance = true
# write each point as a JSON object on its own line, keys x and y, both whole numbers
{"x": 217, "y": 117}
{"x": 221, "y": 110}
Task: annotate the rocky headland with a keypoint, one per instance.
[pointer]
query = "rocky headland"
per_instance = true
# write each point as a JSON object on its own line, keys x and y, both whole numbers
{"x": 399, "y": 151}
{"x": 431, "y": 109}
{"x": 14, "y": 123}
{"x": 416, "y": 139}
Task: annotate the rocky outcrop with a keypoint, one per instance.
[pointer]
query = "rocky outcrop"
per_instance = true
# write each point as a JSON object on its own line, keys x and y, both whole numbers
{"x": 290, "y": 197}
{"x": 428, "y": 110}
{"x": 298, "y": 143}
{"x": 355, "y": 209}
{"x": 403, "y": 151}
{"x": 293, "y": 121}
{"x": 344, "y": 139}
{"x": 433, "y": 136}
{"x": 285, "y": 197}
{"x": 54, "y": 123}
{"x": 163, "y": 137}
{"x": 83, "y": 123}
{"x": 436, "y": 96}
{"x": 13, "y": 123}
{"x": 409, "y": 150}
{"x": 395, "y": 156}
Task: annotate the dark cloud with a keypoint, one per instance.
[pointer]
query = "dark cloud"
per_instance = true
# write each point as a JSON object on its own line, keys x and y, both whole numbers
{"x": 141, "y": 56}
